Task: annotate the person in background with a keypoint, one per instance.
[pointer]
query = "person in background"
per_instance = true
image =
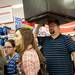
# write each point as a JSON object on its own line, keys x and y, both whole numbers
{"x": 31, "y": 57}
{"x": 57, "y": 49}
{"x": 12, "y": 57}
{"x": 2, "y": 63}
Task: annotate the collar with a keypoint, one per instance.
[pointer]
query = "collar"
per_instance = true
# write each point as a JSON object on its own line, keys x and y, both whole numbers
{"x": 56, "y": 37}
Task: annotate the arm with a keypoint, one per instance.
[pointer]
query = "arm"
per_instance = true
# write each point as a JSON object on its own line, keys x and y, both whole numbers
{"x": 29, "y": 68}
{"x": 73, "y": 55}
{"x": 36, "y": 30}
{"x": 71, "y": 47}
{"x": 30, "y": 63}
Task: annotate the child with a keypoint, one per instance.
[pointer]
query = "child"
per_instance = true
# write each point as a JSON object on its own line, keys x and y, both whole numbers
{"x": 12, "y": 57}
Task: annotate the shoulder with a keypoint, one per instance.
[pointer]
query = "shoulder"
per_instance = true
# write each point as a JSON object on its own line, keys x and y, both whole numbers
{"x": 66, "y": 37}
{"x": 16, "y": 57}
{"x": 29, "y": 55}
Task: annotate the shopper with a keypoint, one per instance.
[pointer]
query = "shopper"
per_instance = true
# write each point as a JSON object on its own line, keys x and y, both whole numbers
{"x": 2, "y": 62}
{"x": 31, "y": 57}
{"x": 57, "y": 49}
{"x": 12, "y": 57}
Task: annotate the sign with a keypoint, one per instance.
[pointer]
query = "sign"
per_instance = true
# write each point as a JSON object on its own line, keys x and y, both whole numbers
{"x": 6, "y": 15}
{"x": 27, "y": 25}
{"x": 68, "y": 28}
{"x": 11, "y": 34}
{"x": 18, "y": 22}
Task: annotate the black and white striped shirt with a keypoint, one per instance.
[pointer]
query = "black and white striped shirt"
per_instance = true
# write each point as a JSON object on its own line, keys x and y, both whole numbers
{"x": 58, "y": 54}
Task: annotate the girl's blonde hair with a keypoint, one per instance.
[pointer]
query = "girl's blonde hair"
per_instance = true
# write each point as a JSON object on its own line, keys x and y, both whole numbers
{"x": 27, "y": 39}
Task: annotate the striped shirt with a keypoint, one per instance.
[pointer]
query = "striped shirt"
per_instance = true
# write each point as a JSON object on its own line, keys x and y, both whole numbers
{"x": 11, "y": 66}
{"x": 58, "y": 54}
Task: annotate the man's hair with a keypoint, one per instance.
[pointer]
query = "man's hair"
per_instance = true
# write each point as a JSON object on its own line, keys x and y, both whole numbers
{"x": 49, "y": 21}
{"x": 12, "y": 42}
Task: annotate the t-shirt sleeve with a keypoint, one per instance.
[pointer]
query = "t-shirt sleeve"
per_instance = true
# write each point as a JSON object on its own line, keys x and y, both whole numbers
{"x": 31, "y": 64}
{"x": 17, "y": 57}
{"x": 70, "y": 44}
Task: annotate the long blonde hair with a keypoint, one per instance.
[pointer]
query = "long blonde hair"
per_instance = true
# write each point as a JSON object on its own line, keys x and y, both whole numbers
{"x": 28, "y": 38}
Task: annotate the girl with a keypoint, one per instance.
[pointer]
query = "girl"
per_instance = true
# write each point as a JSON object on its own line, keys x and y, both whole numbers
{"x": 31, "y": 56}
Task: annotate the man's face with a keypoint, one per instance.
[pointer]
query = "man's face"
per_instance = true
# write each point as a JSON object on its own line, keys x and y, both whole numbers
{"x": 9, "y": 49}
{"x": 53, "y": 28}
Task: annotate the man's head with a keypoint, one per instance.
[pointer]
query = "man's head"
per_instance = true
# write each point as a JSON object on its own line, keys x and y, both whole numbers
{"x": 53, "y": 26}
{"x": 9, "y": 47}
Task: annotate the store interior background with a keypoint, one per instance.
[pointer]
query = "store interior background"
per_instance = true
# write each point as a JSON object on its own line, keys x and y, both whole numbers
{"x": 12, "y": 13}
{"x": 17, "y": 10}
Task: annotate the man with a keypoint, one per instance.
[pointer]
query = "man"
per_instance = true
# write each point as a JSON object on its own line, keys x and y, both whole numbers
{"x": 57, "y": 50}
{"x": 12, "y": 57}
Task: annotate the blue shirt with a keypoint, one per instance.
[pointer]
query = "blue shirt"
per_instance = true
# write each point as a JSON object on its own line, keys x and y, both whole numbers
{"x": 58, "y": 54}
{"x": 11, "y": 66}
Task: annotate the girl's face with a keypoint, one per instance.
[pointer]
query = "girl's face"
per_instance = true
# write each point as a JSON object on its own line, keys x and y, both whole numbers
{"x": 18, "y": 38}
{"x": 9, "y": 49}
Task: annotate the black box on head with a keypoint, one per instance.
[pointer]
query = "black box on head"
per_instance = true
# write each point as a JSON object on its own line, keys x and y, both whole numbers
{"x": 34, "y": 8}
{"x": 37, "y": 9}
